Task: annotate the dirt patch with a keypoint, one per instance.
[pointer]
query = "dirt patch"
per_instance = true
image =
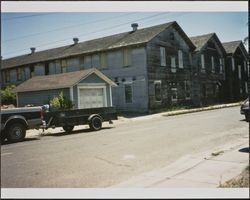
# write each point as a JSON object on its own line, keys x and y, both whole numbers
{"x": 240, "y": 181}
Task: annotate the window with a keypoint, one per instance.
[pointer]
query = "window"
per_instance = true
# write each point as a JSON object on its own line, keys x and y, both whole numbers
{"x": 126, "y": 57}
{"x": 212, "y": 63}
{"x": 221, "y": 65}
{"x": 7, "y": 76}
{"x": 163, "y": 56}
{"x": 19, "y": 74}
{"x": 233, "y": 66}
{"x": 187, "y": 89}
{"x": 171, "y": 35}
{"x": 180, "y": 58}
{"x": 174, "y": 96}
{"x": 32, "y": 73}
{"x": 157, "y": 85}
{"x": 245, "y": 67}
{"x": 64, "y": 66}
{"x": 202, "y": 62}
{"x": 128, "y": 93}
{"x": 103, "y": 60}
{"x": 173, "y": 65}
{"x": 239, "y": 71}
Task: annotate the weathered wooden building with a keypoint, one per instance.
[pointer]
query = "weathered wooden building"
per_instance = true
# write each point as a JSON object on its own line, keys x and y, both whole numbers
{"x": 237, "y": 72}
{"x": 208, "y": 69}
{"x": 151, "y": 66}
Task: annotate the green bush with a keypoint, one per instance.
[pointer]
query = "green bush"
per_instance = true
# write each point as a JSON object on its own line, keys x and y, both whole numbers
{"x": 8, "y": 96}
{"x": 60, "y": 102}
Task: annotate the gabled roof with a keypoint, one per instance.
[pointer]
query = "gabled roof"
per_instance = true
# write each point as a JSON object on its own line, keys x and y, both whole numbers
{"x": 58, "y": 81}
{"x": 200, "y": 41}
{"x": 106, "y": 43}
{"x": 232, "y": 46}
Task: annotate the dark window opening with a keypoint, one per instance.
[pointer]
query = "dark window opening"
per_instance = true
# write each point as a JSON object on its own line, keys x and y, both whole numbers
{"x": 128, "y": 93}
{"x": 171, "y": 36}
{"x": 158, "y": 91}
{"x": 32, "y": 71}
{"x": 46, "y": 68}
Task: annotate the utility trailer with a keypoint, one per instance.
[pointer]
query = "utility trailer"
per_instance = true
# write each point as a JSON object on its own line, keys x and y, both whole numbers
{"x": 67, "y": 119}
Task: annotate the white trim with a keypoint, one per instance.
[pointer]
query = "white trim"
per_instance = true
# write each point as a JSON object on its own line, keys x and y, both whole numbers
{"x": 233, "y": 64}
{"x": 71, "y": 93}
{"x": 163, "y": 56}
{"x": 157, "y": 82}
{"x": 110, "y": 94}
{"x": 246, "y": 87}
{"x": 202, "y": 63}
{"x": 173, "y": 64}
{"x": 180, "y": 59}
{"x": 91, "y": 87}
{"x": 212, "y": 62}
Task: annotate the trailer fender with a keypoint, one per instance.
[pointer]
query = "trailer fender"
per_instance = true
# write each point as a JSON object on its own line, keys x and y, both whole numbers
{"x": 94, "y": 115}
{"x": 16, "y": 118}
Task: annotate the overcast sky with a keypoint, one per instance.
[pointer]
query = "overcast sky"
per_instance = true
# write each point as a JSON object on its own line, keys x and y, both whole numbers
{"x": 20, "y": 31}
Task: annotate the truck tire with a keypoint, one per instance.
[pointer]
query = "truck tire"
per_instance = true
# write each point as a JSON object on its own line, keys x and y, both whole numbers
{"x": 247, "y": 117}
{"x": 16, "y": 132}
{"x": 68, "y": 129}
{"x": 95, "y": 123}
{"x": 3, "y": 136}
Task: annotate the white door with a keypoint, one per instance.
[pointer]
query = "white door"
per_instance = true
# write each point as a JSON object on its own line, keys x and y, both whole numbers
{"x": 91, "y": 97}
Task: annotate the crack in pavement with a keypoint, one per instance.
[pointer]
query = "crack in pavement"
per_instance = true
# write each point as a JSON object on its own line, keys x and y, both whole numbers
{"x": 113, "y": 163}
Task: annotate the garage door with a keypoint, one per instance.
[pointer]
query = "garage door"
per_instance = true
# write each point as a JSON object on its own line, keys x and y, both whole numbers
{"x": 91, "y": 97}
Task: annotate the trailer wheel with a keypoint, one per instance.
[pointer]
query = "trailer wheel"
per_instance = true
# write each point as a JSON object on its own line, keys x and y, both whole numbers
{"x": 3, "y": 136}
{"x": 68, "y": 129}
{"x": 247, "y": 117}
{"x": 95, "y": 123}
{"x": 16, "y": 132}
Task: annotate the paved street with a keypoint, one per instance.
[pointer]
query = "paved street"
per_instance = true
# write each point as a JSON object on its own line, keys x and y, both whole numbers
{"x": 119, "y": 151}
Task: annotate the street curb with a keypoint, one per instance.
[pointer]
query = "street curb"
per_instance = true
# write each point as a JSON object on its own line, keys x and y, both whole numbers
{"x": 179, "y": 112}
{"x": 172, "y": 113}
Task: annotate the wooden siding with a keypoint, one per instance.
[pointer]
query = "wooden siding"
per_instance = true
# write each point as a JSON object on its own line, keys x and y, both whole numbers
{"x": 39, "y": 98}
{"x": 169, "y": 79}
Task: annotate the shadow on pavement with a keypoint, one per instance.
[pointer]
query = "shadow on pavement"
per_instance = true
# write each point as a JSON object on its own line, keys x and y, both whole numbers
{"x": 25, "y": 140}
{"x": 244, "y": 150}
{"x": 73, "y": 132}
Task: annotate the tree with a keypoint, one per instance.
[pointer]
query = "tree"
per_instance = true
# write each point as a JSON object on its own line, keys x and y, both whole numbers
{"x": 60, "y": 102}
{"x": 8, "y": 95}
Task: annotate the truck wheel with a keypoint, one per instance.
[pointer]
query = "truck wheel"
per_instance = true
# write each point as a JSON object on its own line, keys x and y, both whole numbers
{"x": 68, "y": 129}
{"x": 247, "y": 117}
{"x": 3, "y": 136}
{"x": 95, "y": 123}
{"x": 16, "y": 132}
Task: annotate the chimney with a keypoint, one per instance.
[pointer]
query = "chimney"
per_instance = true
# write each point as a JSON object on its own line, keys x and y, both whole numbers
{"x": 75, "y": 40}
{"x": 33, "y": 49}
{"x": 134, "y": 26}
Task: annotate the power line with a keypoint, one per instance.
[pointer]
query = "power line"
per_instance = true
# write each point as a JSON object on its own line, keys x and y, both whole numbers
{"x": 25, "y": 16}
{"x": 61, "y": 28}
{"x": 100, "y": 30}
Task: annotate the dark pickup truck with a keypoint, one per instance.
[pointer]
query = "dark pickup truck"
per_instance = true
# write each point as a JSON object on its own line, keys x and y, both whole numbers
{"x": 15, "y": 122}
{"x": 67, "y": 119}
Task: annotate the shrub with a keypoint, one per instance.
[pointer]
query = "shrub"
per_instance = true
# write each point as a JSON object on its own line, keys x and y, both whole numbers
{"x": 8, "y": 95}
{"x": 60, "y": 102}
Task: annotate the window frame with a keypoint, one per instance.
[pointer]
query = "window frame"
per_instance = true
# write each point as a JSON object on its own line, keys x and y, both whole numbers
{"x": 163, "y": 57}
{"x": 125, "y": 96}
{"x": 180, "y": 59}
{"x": 155, "y": 96}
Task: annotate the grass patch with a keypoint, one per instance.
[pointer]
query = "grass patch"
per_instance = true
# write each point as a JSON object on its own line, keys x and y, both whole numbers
{"x": 241, "y": 181}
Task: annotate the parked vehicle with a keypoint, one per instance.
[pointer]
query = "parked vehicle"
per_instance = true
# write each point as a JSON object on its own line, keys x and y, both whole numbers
{"x": 15, "y": 122}
{"x": 244, "y": 109}
{"x": 67, "y": 119}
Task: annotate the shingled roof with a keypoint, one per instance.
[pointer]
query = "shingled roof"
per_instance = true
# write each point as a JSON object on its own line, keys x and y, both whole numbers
{"x": 106, "y": 43}
{"x": 232, "y": 46}
{"x": 200, "y": 41}
{"x": 57, "y": 81}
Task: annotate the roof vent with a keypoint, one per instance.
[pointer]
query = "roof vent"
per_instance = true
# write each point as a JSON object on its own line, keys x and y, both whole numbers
{"x": 33, "y": 49}
{"x": 134, "y": 26}
{"x": 75, "y": 40}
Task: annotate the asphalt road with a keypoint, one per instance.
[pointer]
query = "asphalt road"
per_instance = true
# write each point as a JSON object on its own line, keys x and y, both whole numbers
{"x": 118, "y": 152}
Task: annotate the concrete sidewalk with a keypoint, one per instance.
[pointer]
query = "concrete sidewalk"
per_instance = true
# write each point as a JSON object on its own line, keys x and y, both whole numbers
{"x": 207, "y": 170}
